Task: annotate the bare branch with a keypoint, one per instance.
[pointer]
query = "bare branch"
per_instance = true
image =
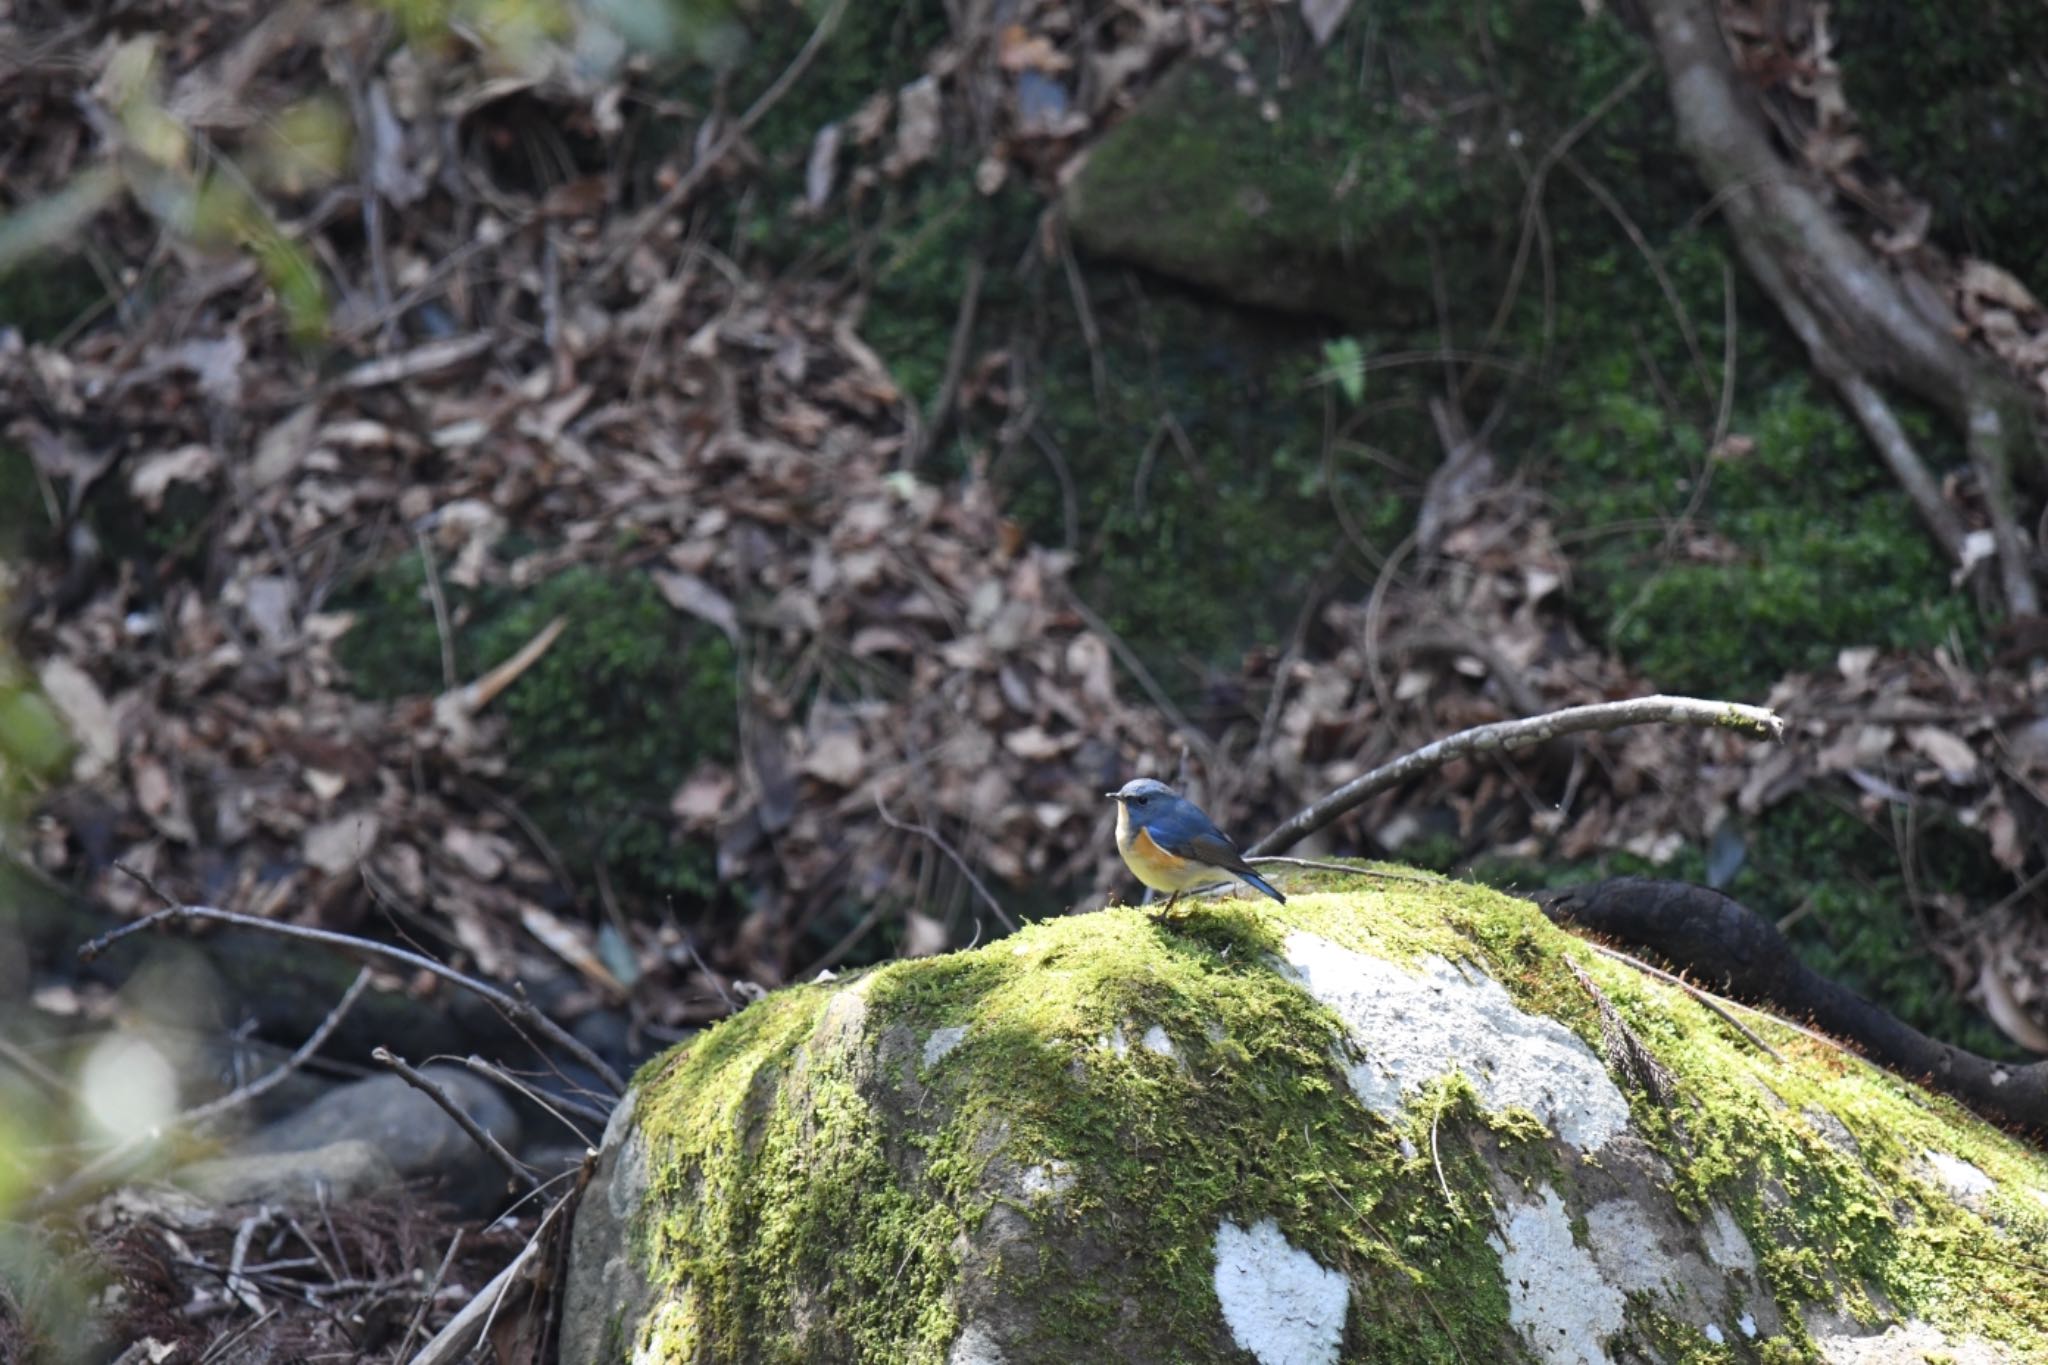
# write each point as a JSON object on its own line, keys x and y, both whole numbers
{"x": 1508, "y": 735}
{"x": 938, "y": 841}
{"x": 494, "y": 1149}
{"x": 518, "y": 1008}
{"x": 25, "y": 1062}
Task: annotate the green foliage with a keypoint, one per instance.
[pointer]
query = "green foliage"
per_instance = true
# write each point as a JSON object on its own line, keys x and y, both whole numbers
{"x": 1344, "y": 359}
{"x": 24, "y": 515}
{"x": 43, "y": 297}
{"x": 1955, "y": 103}
{"x": 599, "y": 732}
{"x": 1810, "y": 547}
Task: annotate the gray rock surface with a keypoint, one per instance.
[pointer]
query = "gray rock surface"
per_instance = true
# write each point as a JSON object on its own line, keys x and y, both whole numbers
{"x": 1371, "y": 1126}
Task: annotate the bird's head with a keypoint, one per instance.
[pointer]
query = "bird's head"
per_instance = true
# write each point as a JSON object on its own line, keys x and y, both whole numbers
{"x": 1142, "y": 795}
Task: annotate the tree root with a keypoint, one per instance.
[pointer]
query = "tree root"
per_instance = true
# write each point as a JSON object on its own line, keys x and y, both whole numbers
{"x": 1855, "y": 319}
{"x": 1732, "y": 949}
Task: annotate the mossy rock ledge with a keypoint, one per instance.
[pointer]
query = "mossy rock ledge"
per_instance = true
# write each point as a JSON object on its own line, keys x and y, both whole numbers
{"x": 1372, "y": 1125}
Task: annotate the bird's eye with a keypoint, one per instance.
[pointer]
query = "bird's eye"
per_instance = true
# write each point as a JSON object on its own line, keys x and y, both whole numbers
{"x": 1138, "y": 800}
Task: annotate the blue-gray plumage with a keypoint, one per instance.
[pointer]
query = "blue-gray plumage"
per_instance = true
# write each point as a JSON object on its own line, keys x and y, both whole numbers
{"x": 1171, "y": 846}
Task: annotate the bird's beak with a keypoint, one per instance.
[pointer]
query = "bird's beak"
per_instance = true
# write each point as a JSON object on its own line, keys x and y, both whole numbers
{"x": 1111, "y": 795}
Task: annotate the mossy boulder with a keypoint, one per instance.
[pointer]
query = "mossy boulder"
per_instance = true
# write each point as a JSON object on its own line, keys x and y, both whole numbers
{"x": 1372, "y": 1125}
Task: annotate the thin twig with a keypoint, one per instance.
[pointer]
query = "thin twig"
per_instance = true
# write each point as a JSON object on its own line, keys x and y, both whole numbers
{"x": 1437, "y": 1160}
{"x": 1130, "y": 660}
{"x": 679, "y": 193}
{"x": 1641, "y": 243}
{"x": 1724, "y": 413}
{"x": 940, "y": 414}
{"x": 939, "y": 842}
{"x": 1714, "y": 1002}
{"x": 443, "y": 627}
{"x": 1532, "y": 197}
{"x": 426, "y": 1085}
{"x": 507, "y": 1079}
{"x": 1508, "y": 735}
{"x": 1091, "y": 335}
{"x": 25, "y": 1062}
{"x": 517, "y": 1007}
{"x": 453, "y": 1342}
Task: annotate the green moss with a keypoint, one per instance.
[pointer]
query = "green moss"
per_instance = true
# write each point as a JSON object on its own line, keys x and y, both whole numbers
{"x": 24, "y": 515}
{"x": 1954, "y": 110}
{"x": 48, "y": 295}
{"x": 1833, "y": 878}
{"x": 1830, "y": 1227}
{"x": 598, "y": 732}
{"x": 1804, "y": 546}
{"x": 792, "y": 1167}
{"x": 1250, "y": 1120}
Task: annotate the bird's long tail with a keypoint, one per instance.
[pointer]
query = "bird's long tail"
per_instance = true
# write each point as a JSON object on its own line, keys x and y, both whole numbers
{"x": 1258, "y": 883}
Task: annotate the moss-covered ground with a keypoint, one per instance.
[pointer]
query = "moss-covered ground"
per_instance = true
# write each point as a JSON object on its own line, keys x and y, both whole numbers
{"x": 598, "y": 732}
{"x": 782, "y": 1147}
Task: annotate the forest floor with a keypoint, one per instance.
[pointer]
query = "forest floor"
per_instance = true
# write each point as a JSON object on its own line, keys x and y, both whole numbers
{"x": 424, "y": 526}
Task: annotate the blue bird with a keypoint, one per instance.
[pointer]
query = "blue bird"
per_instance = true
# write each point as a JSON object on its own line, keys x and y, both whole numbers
{"x": 1171, "y": 846}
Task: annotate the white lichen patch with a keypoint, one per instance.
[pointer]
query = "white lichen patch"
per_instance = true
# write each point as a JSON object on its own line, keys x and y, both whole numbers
{"x": 1712, "y": 1332}
{"x": 1046, "y": 1179}
{"x": 1907, "y": 1343}
{"x": 1155, "y": 1040}
{"x": 1280, "y": 1304}
{"x": 1557, "y": 1298}
{"x": 1413, "y": 1027}
{"x": 1746, "y": 1324}
{"x": 1725, "y": 1242}
{"x": 1968, "y": 1184}
{"x": 1624, "y": 1243}
{"x": 974, "y": 1346}
{"x": 942, "y": 1041}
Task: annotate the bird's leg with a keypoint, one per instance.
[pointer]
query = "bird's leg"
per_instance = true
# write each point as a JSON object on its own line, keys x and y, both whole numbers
{"x": 1167, "y": 908}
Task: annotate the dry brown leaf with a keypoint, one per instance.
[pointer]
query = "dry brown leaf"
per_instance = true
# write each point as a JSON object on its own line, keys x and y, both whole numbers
{"x": 1323, "y": 16}
{"x": 705, "y": 799}
{"x": 153, "y": 476}
{"x": 335, "y": 846}
{"x": 1947, "y": 750}
{"x": 918, "y": 108}
{"x": 837, "y": 758}
{"x": 483, "y": 856}
{"x": 689, "y": 593}
{"x": 86, "y": 713}
{"x": 1034, "y": 744}
{"x": 1985, "y": 280}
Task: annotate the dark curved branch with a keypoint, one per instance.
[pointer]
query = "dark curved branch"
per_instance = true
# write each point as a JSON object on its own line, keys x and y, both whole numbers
{"x": 1508, "y": 735}
{"x": 1732, "y": 949}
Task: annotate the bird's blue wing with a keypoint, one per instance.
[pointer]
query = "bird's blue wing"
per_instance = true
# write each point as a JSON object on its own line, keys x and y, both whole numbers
{"x": 1187, "y": 833}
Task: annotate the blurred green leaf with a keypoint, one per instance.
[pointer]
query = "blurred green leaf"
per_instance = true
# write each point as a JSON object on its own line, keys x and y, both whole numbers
{"x": 1344, "y": 366}
{"x": 33, "y": 740}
